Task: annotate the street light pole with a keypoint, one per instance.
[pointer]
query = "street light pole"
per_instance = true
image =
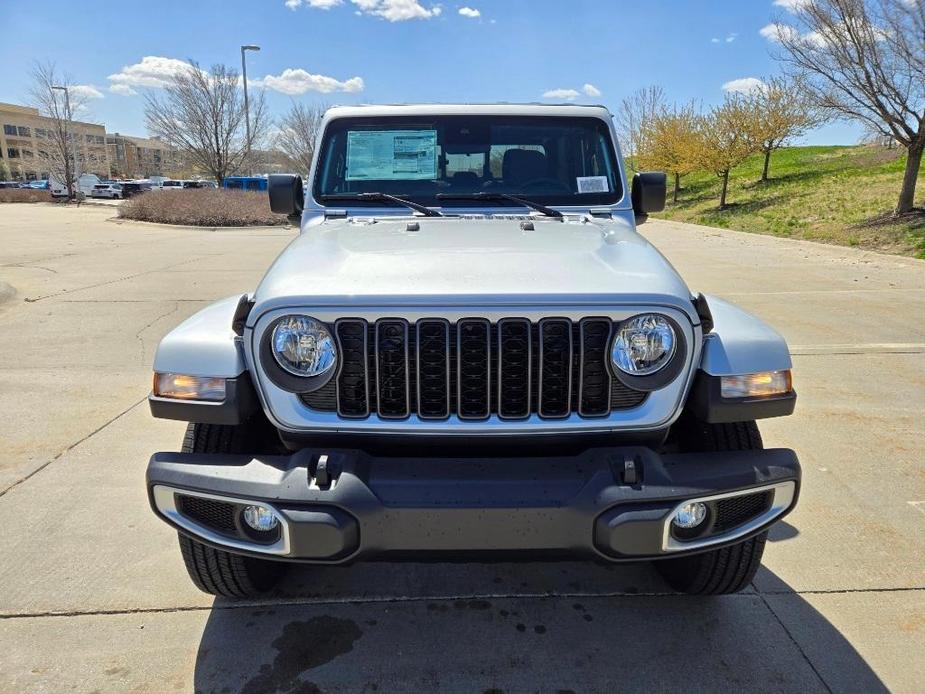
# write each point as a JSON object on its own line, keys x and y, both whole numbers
{"x": 68, "y": 172}
{"x": 247, "y": 110}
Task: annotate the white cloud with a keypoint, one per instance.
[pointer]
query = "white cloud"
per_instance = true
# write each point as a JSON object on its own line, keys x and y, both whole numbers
{"x": 731, "y": 37}
{"x": 743, "y": 85}
{"x": 86, "y": 91}
{"x": 590, "y": 90}
{"x": 122, "y": 90}
{"x": 792, "y": 5}
{"x": 392, "y": 10}
{"x": 298, "y": 81}
{"x": 560, "y": 94}
{"x": 317, "y": 4}
{"x": 714, "y": 40}
{"x": 153, "y": 71}
{"x": 778, "y": 32}
{"x": 470, "y": 12}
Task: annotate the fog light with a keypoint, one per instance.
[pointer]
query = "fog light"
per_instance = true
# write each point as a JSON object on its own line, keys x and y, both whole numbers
{"x": 260, "y": 518}
{"x": 690, "y": 515}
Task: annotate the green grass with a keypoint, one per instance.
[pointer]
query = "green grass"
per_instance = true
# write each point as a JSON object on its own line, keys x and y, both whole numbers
{"x": 830, "y": 194}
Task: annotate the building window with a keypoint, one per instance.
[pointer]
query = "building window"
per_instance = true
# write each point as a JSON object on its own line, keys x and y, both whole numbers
{"x": 27, "y": 153}
{"x": 24, "y": 131}
{"x": 12, "y": 153}
{"x": 9, "y": 129}
{"x": 41, "y": 132}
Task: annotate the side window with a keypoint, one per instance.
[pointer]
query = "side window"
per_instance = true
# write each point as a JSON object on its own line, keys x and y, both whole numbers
{"x": 24, "y": 132}
{"x": 9, "y": 129}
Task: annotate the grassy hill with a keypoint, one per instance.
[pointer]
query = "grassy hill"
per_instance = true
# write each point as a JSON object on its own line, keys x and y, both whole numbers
{"x": 831, "y": 194}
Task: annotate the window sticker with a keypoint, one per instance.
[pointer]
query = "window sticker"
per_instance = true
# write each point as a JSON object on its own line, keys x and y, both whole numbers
{"x": 391, "y": 155}
{"x": 593, "y": 184}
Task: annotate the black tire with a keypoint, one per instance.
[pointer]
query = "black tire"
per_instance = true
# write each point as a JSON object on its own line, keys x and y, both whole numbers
{"x": 213, "y": 570}
{"x": 732, "y": 568}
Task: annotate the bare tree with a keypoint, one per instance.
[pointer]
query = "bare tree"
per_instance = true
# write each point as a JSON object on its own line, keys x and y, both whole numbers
{"x": 61, "y": 148}
{"x": 726, "y": 138}
{"x": 298, "y": 131}
{"x": 865, "y": 60}
{"x": 633, "y": 113}
{"x": 669, "y": 142}
{"x": 782, "y": 111}
{"x": 202, "y": 114}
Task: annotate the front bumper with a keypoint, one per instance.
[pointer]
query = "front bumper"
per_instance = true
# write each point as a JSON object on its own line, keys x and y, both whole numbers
{"x": 607, "y": 503}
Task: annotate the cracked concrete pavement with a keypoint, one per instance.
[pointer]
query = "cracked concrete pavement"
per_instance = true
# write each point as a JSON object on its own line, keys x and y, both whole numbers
{"x": 93, "y": 595}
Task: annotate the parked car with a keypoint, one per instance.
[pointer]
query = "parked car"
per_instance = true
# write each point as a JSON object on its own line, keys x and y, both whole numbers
{"x": 171, "y": 184}
{"x": 460, "y": 360}
{"x": 9, "y": 184}
{"x": 245, "y": 183}
{"x": 133, "y": 188}
{"x": 39, "y": 185}
{"x": 107, "y": 190}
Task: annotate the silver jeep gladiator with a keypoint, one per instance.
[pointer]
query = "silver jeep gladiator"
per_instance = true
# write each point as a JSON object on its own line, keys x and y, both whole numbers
{"x": 469, "y": 352}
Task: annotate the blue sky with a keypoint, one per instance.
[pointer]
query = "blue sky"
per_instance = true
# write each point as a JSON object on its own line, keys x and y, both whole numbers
{"x": 374, "y": 51}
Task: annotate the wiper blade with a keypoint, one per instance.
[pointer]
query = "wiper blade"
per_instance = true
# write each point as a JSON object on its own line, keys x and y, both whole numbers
{"x": 383, "y": 197}
{"x": 491, "y": 195}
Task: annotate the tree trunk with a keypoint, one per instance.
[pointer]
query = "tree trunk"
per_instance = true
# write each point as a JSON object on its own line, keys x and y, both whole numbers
{"x": 911, "y": 174}
{"x": 677, "y": 186}
{"x": 767, "y": 161}
{"x": 722, "y": 196}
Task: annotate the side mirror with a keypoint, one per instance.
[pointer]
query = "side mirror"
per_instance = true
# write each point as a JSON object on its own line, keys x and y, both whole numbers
{"x": 286, "y": 196}
{"x": 649, "y": 191}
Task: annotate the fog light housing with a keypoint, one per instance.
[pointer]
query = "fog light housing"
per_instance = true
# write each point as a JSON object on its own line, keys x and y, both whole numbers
{"x": 757, "y": 385}
{"x": 690, "y": 515}
{"x": 260, "y": 518}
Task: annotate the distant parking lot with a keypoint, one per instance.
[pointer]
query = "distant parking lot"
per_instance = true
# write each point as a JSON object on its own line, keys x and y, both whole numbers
{"x": 93, "y": 595}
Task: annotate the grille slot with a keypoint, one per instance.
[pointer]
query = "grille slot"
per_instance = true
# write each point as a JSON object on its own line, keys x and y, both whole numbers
{"x": 594, "y": 377}
{"x": 473, "y": 352}
{"x": 555, "y": 386}
{"x": 514, "y": 360}
{"x": 352, "y": 380}
{"x": 737, "y": 510}
{"x": 473, "y": 369}
{"x": 433, "y": 362}
{"x": 392, "y": 368}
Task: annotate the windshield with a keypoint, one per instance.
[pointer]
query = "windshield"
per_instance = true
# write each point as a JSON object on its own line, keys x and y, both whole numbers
{"x": 549, "y": 160}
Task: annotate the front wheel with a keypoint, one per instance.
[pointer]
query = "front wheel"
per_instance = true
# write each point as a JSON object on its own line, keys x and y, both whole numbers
{"x": 732, "y": 568}
{"x": 213, "y": 570}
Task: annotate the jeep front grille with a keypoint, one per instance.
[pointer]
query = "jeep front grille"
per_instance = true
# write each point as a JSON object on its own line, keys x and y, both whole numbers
{"x": 473, "y": 369}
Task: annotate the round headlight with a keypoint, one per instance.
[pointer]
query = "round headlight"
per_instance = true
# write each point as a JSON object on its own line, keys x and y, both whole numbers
{"x": 303, "y": 346}
{"x": 643, "y": 344}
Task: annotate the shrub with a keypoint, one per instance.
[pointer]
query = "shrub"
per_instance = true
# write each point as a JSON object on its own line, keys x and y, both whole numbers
{"x": 24, "y": 195}
{"x": 206, "y": 207}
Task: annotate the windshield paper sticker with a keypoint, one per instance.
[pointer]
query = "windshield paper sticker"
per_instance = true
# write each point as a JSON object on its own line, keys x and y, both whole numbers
{"x": 391, "y": 155}
{"x": 593, "y": 184}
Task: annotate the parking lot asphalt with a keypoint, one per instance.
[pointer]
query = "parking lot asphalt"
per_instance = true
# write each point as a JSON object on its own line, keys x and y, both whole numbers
{"x": 94, "y": 597}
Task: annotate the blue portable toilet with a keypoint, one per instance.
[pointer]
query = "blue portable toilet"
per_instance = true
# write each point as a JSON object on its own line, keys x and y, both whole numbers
{"x": 245, "y": 182}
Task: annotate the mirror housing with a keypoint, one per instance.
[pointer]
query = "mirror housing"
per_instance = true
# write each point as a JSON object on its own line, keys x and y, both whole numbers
{"x": 286, "y": 195}
{"x": 650, "y": 189}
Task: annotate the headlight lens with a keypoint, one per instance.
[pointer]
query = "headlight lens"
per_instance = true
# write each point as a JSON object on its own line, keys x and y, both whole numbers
{"x": 303, "y": 346}
{"x": 643, "y": 344}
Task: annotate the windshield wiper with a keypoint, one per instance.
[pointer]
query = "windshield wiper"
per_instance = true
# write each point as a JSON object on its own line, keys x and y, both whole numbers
{"x": 382, "y": 197}
{"x": 491, "y": 195}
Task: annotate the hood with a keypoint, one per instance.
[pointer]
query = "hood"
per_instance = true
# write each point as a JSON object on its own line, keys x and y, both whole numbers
{"x": 465, "y": 260}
